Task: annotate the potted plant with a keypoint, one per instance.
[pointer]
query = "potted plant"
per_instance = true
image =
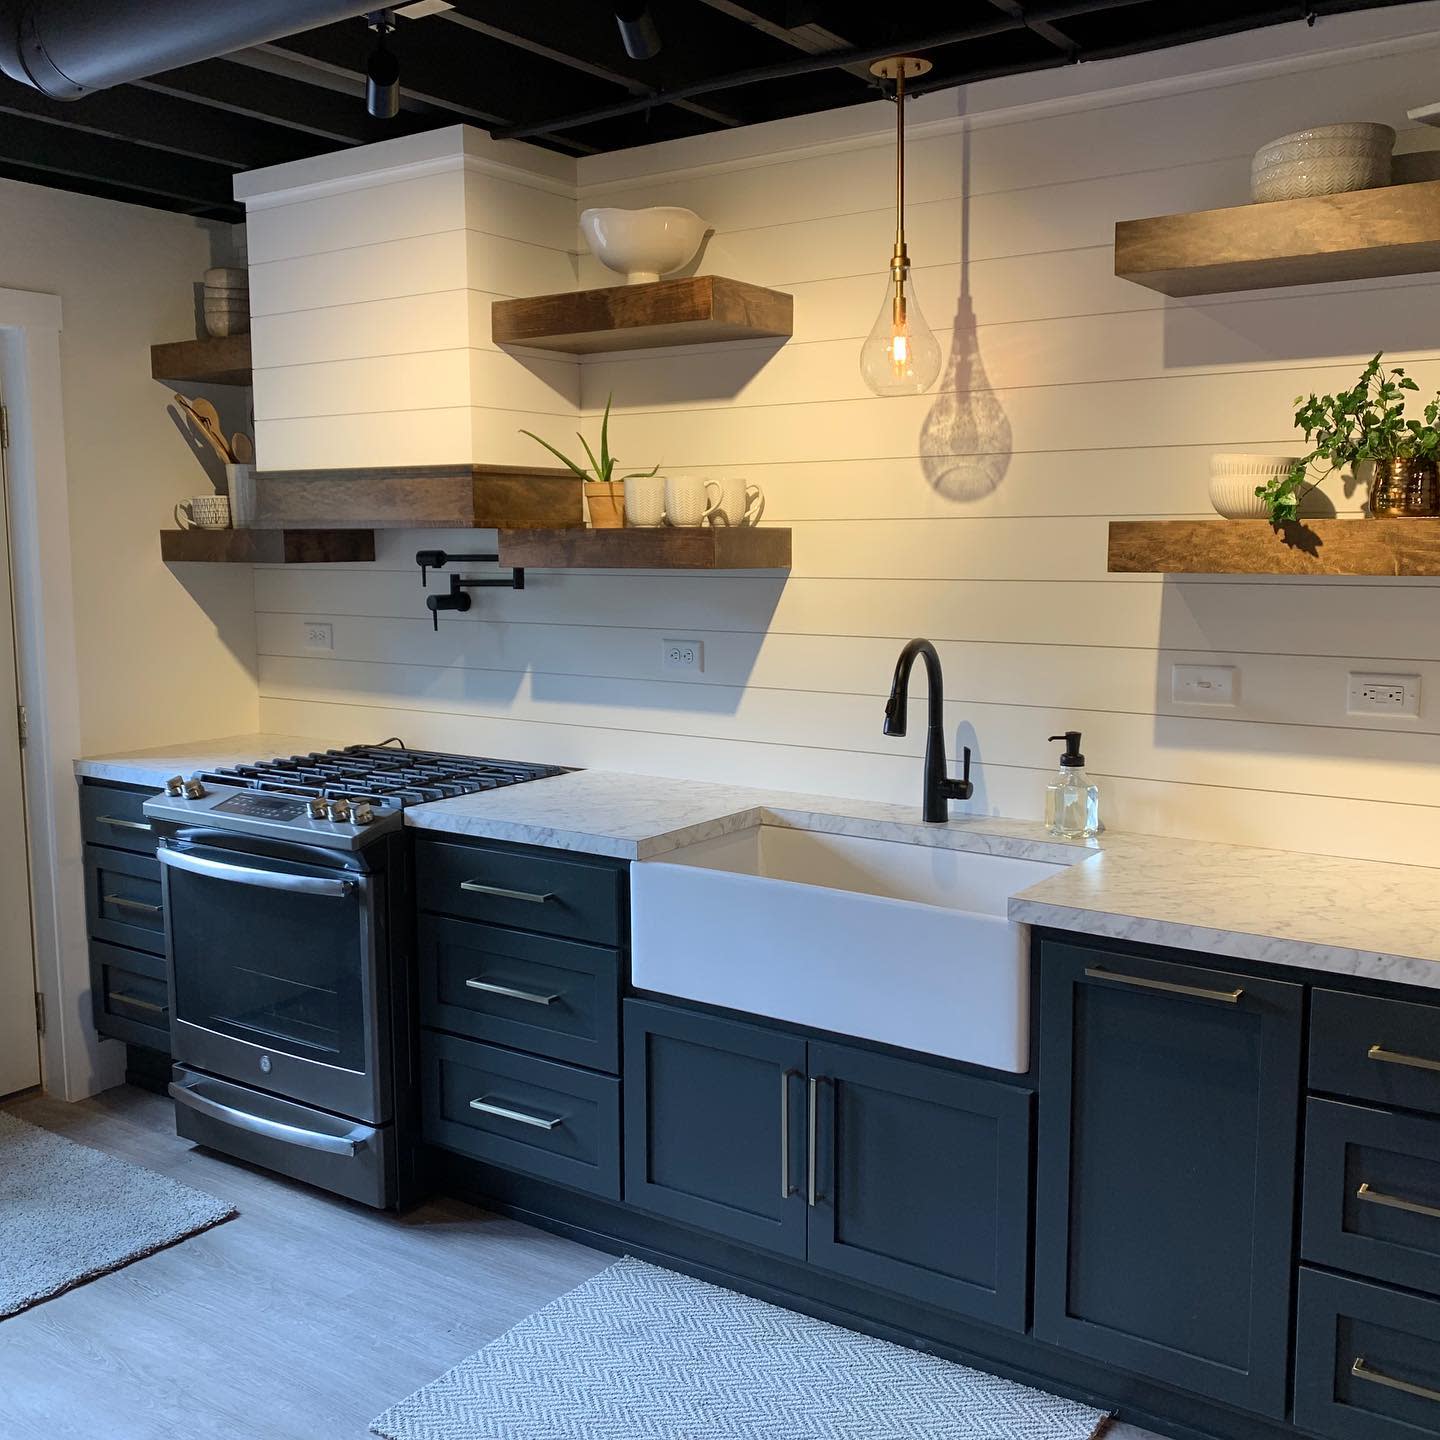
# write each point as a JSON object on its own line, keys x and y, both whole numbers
{"x": 604, "y": 495}
{"x": 1366, "y": 423}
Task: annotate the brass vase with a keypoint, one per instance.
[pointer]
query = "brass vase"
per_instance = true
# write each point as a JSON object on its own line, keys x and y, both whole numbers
{"x": 1405, "y": 488}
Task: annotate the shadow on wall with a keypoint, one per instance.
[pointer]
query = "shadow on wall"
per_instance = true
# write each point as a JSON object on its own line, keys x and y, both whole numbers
{"x": 965, "y": 442}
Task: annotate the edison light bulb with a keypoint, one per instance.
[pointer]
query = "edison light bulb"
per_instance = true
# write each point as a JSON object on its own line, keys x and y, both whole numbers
{"x": 901, "y": 355}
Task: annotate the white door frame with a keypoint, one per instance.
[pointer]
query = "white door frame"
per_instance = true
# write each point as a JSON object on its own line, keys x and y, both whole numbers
{"x": 74, "y": 1063}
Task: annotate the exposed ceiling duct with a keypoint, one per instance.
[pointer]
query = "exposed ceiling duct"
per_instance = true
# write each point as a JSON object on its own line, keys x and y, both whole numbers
{"x": 68, "y": 48}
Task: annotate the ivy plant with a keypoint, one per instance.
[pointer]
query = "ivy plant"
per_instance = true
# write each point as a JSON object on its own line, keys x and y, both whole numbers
{"x": 1366, "y": 422}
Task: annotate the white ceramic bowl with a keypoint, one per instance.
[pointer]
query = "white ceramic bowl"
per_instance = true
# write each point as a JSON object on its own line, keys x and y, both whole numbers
{"x": 1234, "y": 478}
{"x": 1327, "y": 160}
{"x": 643, "y": 245}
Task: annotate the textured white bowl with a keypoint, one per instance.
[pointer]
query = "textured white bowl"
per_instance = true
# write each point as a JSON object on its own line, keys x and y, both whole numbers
{"x": 1328, "y": 160}
{"x": 1234, "y": 478}
{"x": 643, "y": 245}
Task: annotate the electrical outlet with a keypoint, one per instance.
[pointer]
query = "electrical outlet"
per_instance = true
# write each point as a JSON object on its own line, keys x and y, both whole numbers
{"x": 683, "y": 654}
{"x": 1203, "y": 684}
{"x": 317, "y": 635}
{"x": 1368, "y": 694}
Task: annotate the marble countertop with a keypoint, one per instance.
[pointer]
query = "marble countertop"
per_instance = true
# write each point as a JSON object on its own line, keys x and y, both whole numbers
{"x": 1313, "y": 912}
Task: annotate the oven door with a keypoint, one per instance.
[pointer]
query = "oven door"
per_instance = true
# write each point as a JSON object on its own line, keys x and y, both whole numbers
{"x": 275, "y": 973}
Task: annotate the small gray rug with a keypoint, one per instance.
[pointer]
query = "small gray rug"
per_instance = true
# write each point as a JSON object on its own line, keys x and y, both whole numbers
{"x": 638, "y": 1353}
{"x": 69, "y": 1213}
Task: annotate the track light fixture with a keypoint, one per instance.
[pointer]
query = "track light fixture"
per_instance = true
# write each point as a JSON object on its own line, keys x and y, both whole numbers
{"x": 382, "y": 70}
{"x": 637, "y": 31}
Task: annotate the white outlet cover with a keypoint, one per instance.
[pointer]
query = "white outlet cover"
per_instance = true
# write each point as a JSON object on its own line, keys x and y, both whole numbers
{"x": 317, "y": 635}
{"x": 1204, "y": 684}
{"x": 683, "y": 654}
{"x": 1368, "y": 693}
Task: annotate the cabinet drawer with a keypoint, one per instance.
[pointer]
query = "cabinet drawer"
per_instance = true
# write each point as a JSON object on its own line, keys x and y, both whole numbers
{"x": 1372, "y": 1193}
{"x": 129, "y": 996}
{"x": 575, "y": 898}
{"x": 1372, "y": 1049}
{"x": 123, "y": 899}
{"x": 110, "y": 815}
{"x": 521, "y": 1113}
{"x": 531, "y": 992}
{"x": 1367, "y": 1360}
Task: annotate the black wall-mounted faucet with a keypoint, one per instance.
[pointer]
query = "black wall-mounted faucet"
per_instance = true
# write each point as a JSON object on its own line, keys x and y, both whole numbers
{"x": 940, "y": 790}
{"x": 458, "y": 596}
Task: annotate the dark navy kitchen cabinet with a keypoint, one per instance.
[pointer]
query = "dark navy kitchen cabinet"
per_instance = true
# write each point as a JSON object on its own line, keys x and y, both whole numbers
{"x": 1166, "y": 1185}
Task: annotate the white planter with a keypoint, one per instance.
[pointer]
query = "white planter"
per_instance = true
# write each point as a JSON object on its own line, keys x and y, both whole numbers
{"x": 1235, "y": 477}
{"x": 1327, "y": 160}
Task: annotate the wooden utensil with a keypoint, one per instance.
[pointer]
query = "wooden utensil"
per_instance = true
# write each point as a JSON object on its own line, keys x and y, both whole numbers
{"x": 242, "y": 448}
{"x": 209, "y": 429}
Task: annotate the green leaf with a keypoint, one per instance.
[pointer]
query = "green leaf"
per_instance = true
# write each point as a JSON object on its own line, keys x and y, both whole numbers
{"x": 564, "y": 459}
{"x": 605, "y": 459}
{"x": 603, "y": 475}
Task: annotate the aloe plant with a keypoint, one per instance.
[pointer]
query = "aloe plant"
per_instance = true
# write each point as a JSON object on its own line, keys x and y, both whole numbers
{"x": 603, "y": 467}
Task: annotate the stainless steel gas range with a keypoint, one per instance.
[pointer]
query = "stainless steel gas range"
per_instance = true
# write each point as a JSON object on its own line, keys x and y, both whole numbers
{"x": 288, "y": 917}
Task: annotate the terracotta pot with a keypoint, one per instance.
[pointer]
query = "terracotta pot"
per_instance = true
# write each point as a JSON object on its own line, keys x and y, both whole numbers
{"x": 1405, "y": 488}
{"x": 606, "y": 504}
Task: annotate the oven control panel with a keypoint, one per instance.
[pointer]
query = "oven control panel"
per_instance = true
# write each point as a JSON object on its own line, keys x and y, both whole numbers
{"x": 338, "y": 824}
{"x": 263, "y": 807}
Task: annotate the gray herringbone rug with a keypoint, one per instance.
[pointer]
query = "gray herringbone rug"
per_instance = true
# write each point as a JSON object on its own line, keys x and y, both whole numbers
{"x": 638, "y": 1353}
{"x": 69, "y": 1213}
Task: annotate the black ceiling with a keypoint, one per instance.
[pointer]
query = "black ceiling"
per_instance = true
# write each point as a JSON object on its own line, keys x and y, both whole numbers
{"x": 554, "y": 71}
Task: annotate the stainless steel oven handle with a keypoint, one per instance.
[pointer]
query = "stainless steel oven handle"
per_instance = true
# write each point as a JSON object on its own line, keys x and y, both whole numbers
{"x": 247, "y": 875}
{"x": 345, "y": 1145}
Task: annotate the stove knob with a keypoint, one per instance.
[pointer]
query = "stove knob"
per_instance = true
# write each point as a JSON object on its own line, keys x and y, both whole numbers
{"x": 339, "y": 811}
{"x": 318, "y": 810}
{"x": 363, "y": 814}
{"x": 175, "y": 786}
{"x": 194, "y": 790}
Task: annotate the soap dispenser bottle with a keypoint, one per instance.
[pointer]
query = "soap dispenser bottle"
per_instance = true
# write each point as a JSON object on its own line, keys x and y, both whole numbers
{"x": 1072, "y": 803}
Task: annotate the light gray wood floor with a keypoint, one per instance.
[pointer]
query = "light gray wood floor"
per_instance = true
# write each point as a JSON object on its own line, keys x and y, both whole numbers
{"x": 301, "y": 1319}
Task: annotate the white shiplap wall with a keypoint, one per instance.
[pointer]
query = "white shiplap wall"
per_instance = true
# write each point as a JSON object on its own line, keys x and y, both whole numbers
{"x": 1090, "y": 397}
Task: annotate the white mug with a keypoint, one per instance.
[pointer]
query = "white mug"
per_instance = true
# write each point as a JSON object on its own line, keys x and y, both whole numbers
{"x": 645, "y": 500}
{"x": 204, "y": 512}
{"x": 739, "y": 504}
{"x": 687, "y": 500}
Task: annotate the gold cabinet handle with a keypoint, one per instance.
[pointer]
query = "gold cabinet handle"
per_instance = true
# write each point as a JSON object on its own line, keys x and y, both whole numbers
{"x": 531, "y": 997}
{"x": 1198, "y": 992}
{"x": 501, "y": 893}
{"x": 812, "y": 1144}
{"x": 787, "y": 1189}
{"x": 117, "y": 823}
{"x": 1395, "y": 1202}
{"x": 137, "y": 1002}
{"x": 1394, "y": 1057}
{"x": 124, "y": 902}
{"x": 540, "y": 1122}
{"x": 1361, "y": 1371}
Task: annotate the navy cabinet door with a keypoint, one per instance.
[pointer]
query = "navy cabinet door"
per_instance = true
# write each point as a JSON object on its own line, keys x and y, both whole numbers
{"x": 1169, "y": 1107}
{"x": 922, "y": 1182}
{"x": 714, "y": 1132}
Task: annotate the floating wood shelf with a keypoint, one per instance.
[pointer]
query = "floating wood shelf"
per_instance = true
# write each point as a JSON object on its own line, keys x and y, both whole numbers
{"x": 420, "y": 497}
{"x": 266, "y": 547}
{"x": 1355, "y": 236}
{"x": 695, "y": 311}
{"x": 1255, "y": 547}
{"x": 203, "y": 362}
{"x": 700, "y": 548}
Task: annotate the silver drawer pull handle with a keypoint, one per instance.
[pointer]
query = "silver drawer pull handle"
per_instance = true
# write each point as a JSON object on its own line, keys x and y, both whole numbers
{"x": 812, "y": 1194}
{"x": 786, "y": 1188}
{"x": 137, "y": 1002}
{"x": 510, "y": 993}
{"x": 540, "y": 1122}
{"x": 1361, "y": 1371}
{"x": 1225, "y": 997}
{"x": 123, "y": 902}
{"x": 1394, "y": 1057}
{"x": 117, "y": 823}
{"x": 1395, "y": 1202}
{"x": 501, "y": 893}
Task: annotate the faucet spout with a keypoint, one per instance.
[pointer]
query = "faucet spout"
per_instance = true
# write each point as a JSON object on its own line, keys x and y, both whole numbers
{"x": 939, "y": 789}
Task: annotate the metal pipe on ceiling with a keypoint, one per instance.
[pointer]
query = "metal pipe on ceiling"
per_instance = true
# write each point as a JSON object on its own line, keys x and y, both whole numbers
{"x": 68, "y": 48}
{"x": 828, "y": 60}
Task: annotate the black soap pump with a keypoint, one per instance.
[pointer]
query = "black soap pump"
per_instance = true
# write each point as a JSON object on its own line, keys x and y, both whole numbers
{"x": 1072, "y": 803}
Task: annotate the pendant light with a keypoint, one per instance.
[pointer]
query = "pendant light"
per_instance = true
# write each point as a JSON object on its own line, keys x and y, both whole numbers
{"x": 901, "y": 355}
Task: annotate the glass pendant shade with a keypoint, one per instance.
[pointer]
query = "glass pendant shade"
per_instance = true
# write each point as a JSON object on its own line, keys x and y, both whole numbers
{"x": 901, "y": 355}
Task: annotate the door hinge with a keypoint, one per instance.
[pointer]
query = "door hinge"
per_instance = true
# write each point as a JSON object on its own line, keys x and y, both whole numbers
{"x": 22, "y": 725}
{"x": 40, "y": 1011}
{"x": 4, "y": 428}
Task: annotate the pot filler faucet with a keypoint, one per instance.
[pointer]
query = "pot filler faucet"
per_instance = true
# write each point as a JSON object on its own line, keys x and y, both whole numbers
{"x": 940, "y": 790}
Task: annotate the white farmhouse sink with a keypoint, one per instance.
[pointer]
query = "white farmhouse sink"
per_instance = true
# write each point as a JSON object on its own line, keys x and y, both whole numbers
{"x": 905, "y": 944}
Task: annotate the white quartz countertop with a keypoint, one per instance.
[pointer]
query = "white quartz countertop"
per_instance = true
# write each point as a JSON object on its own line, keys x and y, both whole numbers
{"x": 1313, "y": 912}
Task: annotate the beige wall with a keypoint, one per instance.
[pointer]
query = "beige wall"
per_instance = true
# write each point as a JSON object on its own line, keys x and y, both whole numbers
{"x": 162, "y": 655}
{"x": 975, "y": 515}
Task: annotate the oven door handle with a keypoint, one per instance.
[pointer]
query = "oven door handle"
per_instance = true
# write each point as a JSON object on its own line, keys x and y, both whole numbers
{"x": 248, "y": 875}
{"x": 345, "y": 1145}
